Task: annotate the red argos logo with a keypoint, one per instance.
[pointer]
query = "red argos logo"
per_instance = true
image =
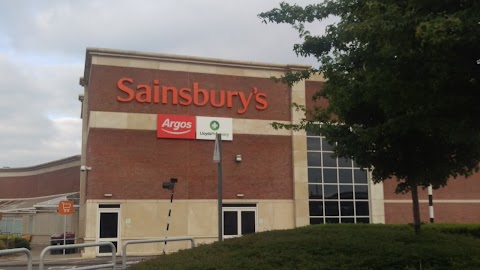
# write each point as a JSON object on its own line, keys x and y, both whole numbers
{"x": 176, "y": 126}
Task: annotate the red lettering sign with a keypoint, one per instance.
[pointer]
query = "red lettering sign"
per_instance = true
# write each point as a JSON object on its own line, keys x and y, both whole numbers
{"x": 176, "y": 126}
{"x": 155, "y": 93}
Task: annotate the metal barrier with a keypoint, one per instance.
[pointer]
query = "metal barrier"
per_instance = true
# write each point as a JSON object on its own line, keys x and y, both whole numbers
{"x": 173, "y": 239}
{"x": 19, "y": 250}
{"x": 114, "y": 256}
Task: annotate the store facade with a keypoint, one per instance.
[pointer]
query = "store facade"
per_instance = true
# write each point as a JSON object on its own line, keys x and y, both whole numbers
{"x": 151, "y": 117}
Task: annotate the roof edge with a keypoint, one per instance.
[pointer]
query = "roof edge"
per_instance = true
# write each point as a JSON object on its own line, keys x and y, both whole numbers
{"x": 43, "y": 165}
{"x": 92, "y": 51}
{"x": 46, "y": 197}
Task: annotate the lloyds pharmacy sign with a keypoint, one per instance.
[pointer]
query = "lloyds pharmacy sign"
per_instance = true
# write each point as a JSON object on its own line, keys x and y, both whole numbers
{"x": 208, "y": 127}
{"x": 194, "y": 127}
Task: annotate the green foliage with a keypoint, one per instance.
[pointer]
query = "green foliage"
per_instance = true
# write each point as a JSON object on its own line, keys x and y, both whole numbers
{"x": 403, "y": 81}
{"x": 2, "y": 245}
{"x": 471, "y": 230}
{"x": 331, "y": 246}
{"x": 13, "y": 241}
{"x": 8, "y": 240}
{"x": 20, "y": 242}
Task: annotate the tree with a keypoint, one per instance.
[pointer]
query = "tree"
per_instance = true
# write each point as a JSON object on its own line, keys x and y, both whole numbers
{"x": 403, "y": 82}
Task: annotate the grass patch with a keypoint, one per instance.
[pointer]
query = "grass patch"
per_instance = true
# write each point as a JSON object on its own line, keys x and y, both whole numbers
{"x": 335, "y": 246}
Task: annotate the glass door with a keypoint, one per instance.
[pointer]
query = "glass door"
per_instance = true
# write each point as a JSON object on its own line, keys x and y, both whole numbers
{"x": 108, "y": 229}
{"x": 238, "y": 221}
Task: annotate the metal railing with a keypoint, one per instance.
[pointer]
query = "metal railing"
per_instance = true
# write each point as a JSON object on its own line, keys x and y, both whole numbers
{"x": 19, "y": 250}
{"x": 129, "y": 242}
{"x": 41, "y": 265}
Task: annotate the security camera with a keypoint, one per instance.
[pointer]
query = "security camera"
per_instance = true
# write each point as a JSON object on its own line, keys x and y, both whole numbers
{"x": 84, "y": 168}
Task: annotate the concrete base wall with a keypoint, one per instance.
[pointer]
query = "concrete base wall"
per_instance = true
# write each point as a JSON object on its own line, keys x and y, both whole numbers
{"x": 147, "y": 219}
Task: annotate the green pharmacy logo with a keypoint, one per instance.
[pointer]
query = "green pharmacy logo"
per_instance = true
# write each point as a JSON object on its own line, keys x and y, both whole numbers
{"x": 214, "y": 125}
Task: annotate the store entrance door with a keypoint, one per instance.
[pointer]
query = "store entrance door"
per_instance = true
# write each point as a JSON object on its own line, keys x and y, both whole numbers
{"x": 108, "y": 228}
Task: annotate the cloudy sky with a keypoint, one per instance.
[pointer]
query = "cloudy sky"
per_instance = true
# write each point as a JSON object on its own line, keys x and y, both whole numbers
{"x": 42, "y": 54}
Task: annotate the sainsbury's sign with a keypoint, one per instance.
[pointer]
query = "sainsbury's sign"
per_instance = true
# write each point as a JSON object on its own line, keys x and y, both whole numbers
{"x": 186, "y": 96}
{"x": 191, "y": 127}
{"x": 176, "y": 126}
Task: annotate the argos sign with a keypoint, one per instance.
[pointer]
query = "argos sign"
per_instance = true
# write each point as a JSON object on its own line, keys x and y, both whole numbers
{"x": 194, "y": 127}
{"x": 176, "y": 126}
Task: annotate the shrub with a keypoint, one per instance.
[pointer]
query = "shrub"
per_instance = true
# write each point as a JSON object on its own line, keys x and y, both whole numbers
{"x": 13, "y": 241}
{"x": 8, "y": 240}
{"x": 20, "y": 242}
{"x": 472, "y": 230}
{"x": 2, "y": 245}
{"x": 331, "y": 246}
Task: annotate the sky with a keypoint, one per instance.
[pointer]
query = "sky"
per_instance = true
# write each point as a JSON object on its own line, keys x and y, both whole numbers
{"x": 43, "y": 45}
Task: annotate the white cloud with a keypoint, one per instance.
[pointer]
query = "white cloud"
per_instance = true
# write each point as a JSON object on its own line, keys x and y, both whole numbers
{"x": 42, "y": 53}
{"x": 31, "y": 94}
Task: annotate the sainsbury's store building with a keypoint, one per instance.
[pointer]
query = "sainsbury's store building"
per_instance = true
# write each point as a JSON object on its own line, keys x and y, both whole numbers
{"x": 150, "y": 117}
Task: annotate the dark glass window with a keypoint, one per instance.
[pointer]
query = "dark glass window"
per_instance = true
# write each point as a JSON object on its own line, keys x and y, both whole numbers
{"x": 360, "y": 176}
{"x": 331, "y": 191}
{"x": 348, "y": 220}
{"x": 344, "y": 162}
{"x": 313, "y": 159}
{"x": 329, "y": 160}
{"x": 330, "y": 176}
{"x": 316, "y": 208}
{"x": 338, "y": 189}
{"x": 346, "y": 208}
{"x": 331, "y": 208}
{"x": 331, "y": 220}
{"x": 345, "y": 176}
{"x": 362, "y": 208}
{"x": 326, "y": 146}
{"x": 109, "y": 206}
{"x": 314, "y": 175}
{"x": 315, "y": 192}
{"x": 230, "y": 205}
{"x": 107, "y": 249}
{"x": 361, "y": 192}
{"x": 230, "y": 220}
{"x": 346, "y": 192}
{"x": 316, "y": 221}
{"x": 313, "y": 143}
{"x": 108, "y": 225}
{"x": 248, "y": 222}
{"x": 363, "y": 220}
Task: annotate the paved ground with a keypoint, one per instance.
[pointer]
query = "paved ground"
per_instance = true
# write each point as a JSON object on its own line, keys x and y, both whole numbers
{"x": 60, "y": 261}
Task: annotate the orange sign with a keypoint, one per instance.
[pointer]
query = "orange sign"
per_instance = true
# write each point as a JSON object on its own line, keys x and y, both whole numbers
{"x": 154, "y": 93}
{"x": 65, "y": 208}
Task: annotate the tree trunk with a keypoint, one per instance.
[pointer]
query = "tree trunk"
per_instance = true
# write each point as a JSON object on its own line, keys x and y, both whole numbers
{"x": 415, "y": 208}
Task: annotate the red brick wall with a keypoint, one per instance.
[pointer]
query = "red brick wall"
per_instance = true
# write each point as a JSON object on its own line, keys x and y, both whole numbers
{"x": 444, "y": 212}
{"x": 456, "y": 189}
{"x": 401, "y": 213}
{"x": 132, "y": 164}
{"x": 50, "y": 183}
{"x": 312, "y": 87}
{"x": 103, "y": 93}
